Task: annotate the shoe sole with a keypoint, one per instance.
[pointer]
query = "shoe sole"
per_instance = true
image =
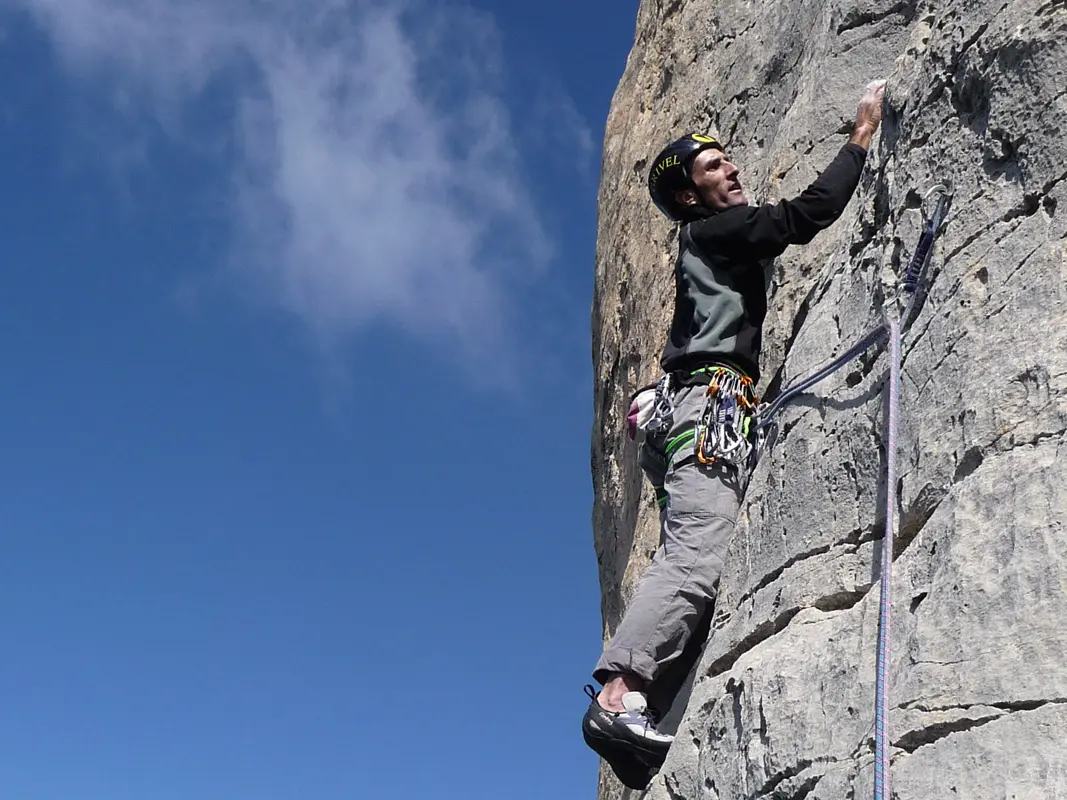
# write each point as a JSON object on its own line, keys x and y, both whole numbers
{"x": 621, "y": 758}
{"x": 650, "y": 756}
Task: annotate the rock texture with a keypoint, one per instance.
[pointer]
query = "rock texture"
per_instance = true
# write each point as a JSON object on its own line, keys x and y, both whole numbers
{"x": 782, "y": 703}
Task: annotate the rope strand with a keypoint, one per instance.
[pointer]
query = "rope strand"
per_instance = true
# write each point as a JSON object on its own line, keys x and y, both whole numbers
{"x": 882, "y": 787}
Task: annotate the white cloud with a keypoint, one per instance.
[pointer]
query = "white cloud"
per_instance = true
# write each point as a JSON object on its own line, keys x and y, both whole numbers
{"x": 566, "y": 131}
{"x": 377, "y": 178}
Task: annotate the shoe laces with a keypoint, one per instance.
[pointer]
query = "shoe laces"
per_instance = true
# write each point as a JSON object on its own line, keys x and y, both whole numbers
{"x": 651, "y": 714}
{"x": 652, "y": 717}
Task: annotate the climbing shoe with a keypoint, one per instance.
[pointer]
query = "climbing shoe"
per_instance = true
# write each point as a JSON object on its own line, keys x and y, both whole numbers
{"x": 627, "y": 740}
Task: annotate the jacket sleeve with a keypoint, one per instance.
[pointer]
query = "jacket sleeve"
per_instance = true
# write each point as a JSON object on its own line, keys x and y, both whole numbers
{"x": 765, "y": 231}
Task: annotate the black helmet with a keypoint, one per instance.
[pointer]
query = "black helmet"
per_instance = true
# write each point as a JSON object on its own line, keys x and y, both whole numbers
{"x": 670, "y": 171}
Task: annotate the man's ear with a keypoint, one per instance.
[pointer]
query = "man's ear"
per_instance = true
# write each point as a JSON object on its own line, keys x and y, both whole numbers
{"x": 687, "y": 197}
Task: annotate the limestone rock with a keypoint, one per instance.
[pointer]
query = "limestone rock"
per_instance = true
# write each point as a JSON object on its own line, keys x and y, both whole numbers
{"x": 782, "y": 703}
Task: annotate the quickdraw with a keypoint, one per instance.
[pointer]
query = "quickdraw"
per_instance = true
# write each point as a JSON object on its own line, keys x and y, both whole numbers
{"x": 651, "y": 409}
{"x": 662, "y": 408}
{"x": 724, "y": 430}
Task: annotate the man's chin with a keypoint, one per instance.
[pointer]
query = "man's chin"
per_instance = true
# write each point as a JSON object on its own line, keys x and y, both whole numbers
{"x": 731, "y": 200}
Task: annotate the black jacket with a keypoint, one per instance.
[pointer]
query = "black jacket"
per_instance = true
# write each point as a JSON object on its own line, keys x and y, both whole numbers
{"x": 721, "y": 274}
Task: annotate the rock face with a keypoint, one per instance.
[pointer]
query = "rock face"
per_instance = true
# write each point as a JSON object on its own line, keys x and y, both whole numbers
{"x": 782, "y": 703}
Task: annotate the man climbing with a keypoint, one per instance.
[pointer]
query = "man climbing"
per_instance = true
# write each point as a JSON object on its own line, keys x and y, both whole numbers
{"x": 696, "y": 423}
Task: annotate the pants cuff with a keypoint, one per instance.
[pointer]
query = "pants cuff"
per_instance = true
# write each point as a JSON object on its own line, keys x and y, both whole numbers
{"x": 630, "y": 662}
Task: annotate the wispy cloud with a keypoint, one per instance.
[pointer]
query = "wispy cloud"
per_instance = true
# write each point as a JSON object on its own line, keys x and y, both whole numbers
{"x": 565, "y": 130}
{"x": 375, "y": 176}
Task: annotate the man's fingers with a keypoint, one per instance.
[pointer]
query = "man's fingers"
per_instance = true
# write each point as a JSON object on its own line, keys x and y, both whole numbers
{"x": 875, "y": 90}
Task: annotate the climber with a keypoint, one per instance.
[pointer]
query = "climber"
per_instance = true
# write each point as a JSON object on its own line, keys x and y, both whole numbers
{"x": 694, "y": 425}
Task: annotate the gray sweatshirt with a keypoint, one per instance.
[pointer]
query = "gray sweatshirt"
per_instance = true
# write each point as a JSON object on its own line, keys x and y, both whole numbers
{"x": 721, "y": 274}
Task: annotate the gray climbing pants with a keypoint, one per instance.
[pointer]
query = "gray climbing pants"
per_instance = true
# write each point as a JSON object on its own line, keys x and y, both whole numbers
{"x": 697, "y": 523}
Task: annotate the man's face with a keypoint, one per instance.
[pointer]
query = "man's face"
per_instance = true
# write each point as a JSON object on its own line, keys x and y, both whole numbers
{"x": 717, "y": 180}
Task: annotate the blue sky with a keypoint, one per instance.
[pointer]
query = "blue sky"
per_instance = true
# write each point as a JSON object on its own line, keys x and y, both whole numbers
{"x": 297, "y": 397}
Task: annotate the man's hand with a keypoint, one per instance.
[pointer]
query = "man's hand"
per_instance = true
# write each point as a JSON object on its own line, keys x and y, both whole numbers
{"x": 869, "y": 114}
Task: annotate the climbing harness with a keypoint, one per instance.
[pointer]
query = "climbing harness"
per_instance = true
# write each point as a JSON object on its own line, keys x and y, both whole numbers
{"x": 723, "y": 432}
{"x": 912, "y": 277}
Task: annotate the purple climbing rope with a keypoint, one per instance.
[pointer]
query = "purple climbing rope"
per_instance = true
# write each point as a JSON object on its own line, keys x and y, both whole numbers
{"x": 882, "y": 788}
{"x": 882, "y": 783}
{"x": 890, "y": 329}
